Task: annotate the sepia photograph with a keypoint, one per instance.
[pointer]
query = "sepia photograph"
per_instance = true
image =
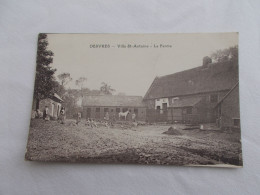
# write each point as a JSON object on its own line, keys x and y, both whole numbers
{"x": 155, "y": 99}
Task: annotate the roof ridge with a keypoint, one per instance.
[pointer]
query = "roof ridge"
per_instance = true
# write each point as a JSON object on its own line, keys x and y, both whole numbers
{"x": 197, "y": 67}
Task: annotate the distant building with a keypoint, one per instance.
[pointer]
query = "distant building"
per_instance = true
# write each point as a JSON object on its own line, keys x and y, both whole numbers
{"x": 228, "y": 109}
{"x": 191, "y": 95}
{"x": 97, "y": 106}
{"x": 53, "y": 103}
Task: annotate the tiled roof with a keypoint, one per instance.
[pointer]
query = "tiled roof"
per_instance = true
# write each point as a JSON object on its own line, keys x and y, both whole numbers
{"x": 56, "y": 98}
{"x": 113, "y": 100}
{"x": 214, "y": 77}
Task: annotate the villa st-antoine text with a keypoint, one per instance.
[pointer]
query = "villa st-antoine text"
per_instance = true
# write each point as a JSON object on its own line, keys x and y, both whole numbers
{"x": 129, "y": 46}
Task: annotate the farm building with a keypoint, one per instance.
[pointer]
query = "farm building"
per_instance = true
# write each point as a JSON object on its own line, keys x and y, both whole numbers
{"x": 191, "y": 95}
{"x": 228, "y": 109}
{"x": 53, "y": 103}
{"x": 97, "y": 106}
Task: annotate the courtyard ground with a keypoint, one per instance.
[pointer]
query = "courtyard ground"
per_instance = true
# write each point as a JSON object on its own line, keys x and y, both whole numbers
{"x": 146, "y": 144}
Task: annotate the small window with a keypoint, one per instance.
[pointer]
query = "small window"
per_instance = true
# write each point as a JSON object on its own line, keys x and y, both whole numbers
{"x": 164, "y": 105}
{"x": 158, "y": 107}
{"x": 175, "y": 99}
{"x": 236, "y": 122}
{"x": 97, "y": 109}
{"x": 136, "y": 111}
{"x": 105, "y": 109}
{"x": 213, "y": 98}
{"x": 189, "y": 110}
{"x": 117, "y": 109}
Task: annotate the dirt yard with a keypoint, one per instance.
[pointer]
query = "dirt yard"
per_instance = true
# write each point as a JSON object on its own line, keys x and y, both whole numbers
{"x": 147, "y": 144}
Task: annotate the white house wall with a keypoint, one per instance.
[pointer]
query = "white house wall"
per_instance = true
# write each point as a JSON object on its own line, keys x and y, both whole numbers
{"x": 159, "y": 102}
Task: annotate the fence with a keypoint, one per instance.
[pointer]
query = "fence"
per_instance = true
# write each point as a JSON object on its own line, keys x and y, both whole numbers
{"x": 170, "y": 116}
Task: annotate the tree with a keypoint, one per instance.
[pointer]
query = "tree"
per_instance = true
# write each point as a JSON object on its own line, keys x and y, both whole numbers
{"x": 106, "y": 89}
{"x": 59, "y": 89}
{"x": 64, "y": 78}
{"x": 229, "y": 54}
{"x": 81, "y": 82}
{"x": 44, "y": 79}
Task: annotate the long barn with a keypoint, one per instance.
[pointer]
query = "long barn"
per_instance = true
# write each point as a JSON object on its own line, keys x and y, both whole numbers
{"x": 98, "y": 105}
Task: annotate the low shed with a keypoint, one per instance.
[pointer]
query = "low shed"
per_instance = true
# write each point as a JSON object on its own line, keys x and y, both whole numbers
{"x": 53, "y": 103}
{"x": 185, "y": 110}
{"x": 97, "y": 106}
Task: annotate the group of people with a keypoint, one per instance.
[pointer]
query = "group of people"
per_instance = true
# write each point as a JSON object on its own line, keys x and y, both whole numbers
{"x": 46, "y": 115}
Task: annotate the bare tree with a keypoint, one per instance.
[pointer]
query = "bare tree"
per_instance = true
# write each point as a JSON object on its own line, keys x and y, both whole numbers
{"x": 106, "y": 89}
{"x": 81, "y": 83}
{"x": 64, "y": 78}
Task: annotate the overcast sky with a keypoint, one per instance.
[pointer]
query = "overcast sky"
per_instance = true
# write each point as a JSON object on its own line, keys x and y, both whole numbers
{"x": 132, "y": 70}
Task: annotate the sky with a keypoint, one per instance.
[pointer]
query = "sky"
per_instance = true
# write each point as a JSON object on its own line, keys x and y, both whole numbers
{"x": 131, "y": 70}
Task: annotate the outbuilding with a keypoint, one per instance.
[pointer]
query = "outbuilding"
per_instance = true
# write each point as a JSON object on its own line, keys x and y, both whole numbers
{"x": 98, "y": 106}
{"x": 53, "y": 103}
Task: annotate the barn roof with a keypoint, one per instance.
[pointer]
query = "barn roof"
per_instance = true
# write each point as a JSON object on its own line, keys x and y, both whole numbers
{"x": 210, "y": 78}
{"x": 185, "y": 102}
{"x": 55, "y": 97}
{"x": 113, "y": 100}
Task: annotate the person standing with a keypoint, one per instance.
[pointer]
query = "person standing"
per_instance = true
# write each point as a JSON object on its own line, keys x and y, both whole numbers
{"x": 46, "y": 113}
{"x": 106, "y": 116}
{"x": 133, "y": 117}
{"x": 62, "y": 115}
{"x": 78, "y": 117}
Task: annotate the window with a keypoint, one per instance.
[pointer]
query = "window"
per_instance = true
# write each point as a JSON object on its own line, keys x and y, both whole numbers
{"x": 175, "y": 99}
{"x": 112, "y": 110}
{"x": 105, "y": 109}
{"x": 158, "y": 108}
{"x": 125, "y": 109}
{"x": 136, "y": 111}
{"x": 164, "y": 105}
{"x": 213, "y": 98}
{"x": 97, "y": 109}
{"x": 117, "y": 109}
{"x": 189, "y": 110}
{"x": 237, "y": 122}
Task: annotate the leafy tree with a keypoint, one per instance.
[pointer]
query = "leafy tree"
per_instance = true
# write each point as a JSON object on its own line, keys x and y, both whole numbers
{"x": 44, "y": 79}
{"x": 229, "y": 54}
{"x": 106, "y": 89}
{"x": 64, "y": 78}
{"x": 59, "y": 89}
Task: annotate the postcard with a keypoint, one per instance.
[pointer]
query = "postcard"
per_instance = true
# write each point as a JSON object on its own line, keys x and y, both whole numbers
{"x": 156, "y": 99}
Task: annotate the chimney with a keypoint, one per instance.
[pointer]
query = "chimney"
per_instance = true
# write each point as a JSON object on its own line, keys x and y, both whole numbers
{"x": 206, "y": 60}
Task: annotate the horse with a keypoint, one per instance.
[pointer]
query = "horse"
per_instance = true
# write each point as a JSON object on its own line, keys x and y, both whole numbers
{"x": 124, "y": 114}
